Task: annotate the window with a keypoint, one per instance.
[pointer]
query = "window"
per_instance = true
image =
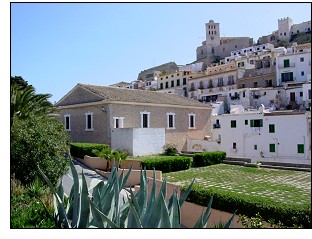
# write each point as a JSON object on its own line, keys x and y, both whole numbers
{"x": 67, "y": 122}
{"x": 255, "y": 84}
{"x": 167, "y": 85}
{"x": 244, "y": 94}
{"x": 256, "y": 123}
{"x": 289, "y": 76}
{"x": 233, "y": 123}
{"x": 255, "y": 147}
{"x": 178, "y": 82}
{"x": 286, "y": 63}
{"x": 89, "y": 121}
{"x": 271, "y": 128}
{"x": 184, "y": 81}
{"x": 234, "y": 145}
{"x": 118, "y": 122}
{"x": 172, "y": 83}
{"x": 161, "y": 85}
{"x": 145, "y": 119}
{"x": 272, "y": 148}
{"x": 301, "y": 94}
{"x": 170, "y": 121}
{"x": 246, "y": 122}
{"x": 300, "y": 148}
{"x": 191, "y": 121}
{"x": 301, "y": 59}
{"x": 302, "y": 73}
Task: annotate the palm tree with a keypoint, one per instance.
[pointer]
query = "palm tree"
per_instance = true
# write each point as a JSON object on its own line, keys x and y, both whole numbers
{"x": 24, "y": 102}
{"x": 105, "y": 153}
{"x": 109, "y": 155}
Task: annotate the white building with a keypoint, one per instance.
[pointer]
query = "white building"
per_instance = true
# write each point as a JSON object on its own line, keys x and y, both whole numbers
{"x": 278, "y": 136}
{"x": 295, "y": 65}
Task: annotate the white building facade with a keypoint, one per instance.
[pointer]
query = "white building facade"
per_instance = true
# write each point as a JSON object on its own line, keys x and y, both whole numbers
{"x": 280, "y": 136}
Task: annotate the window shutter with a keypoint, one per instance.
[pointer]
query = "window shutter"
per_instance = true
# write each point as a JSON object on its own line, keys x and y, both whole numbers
{"x": 261, "y": 123}
{"x": 251, "y": 123}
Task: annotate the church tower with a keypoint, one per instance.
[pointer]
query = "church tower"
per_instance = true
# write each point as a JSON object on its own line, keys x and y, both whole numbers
{"x": 212, "y": 36}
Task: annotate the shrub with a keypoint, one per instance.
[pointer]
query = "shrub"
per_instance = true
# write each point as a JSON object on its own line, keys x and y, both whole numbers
{"x": 167, "y": 164}
{"x": 208, "y": 158}
{"x": 38, "y": 141}
{"x": 289, "y": 215}
{"x": 27, "y": 210}
{"x": 79, "y": 150}
{"x": 170, "y": 150}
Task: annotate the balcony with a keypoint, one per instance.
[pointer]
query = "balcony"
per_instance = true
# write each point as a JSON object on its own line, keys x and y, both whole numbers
{"x": 234, "y": 97}
{"x": 216, "y": 126}
{"x": 288, "y": 66}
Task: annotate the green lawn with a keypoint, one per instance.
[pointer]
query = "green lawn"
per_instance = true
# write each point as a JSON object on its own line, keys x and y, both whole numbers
{"x": 285, "y": 186}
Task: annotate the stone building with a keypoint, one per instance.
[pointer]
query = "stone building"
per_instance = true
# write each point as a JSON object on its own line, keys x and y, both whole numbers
{"x": 216, "y": 47}
{"x": 287, "y": 30}
{"x": 92, "y": 113}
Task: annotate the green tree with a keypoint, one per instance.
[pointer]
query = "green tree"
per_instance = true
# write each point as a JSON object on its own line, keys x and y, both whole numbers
{"x": 24, "y": 102}
{"x": 38, "y": 141}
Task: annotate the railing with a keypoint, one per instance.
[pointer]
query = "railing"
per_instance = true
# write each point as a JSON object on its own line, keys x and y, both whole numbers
{"x": 216, "y": 126}
{"x": 283, "y": 66}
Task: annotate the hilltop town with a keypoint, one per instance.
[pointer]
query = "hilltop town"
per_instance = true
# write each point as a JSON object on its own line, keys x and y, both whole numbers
{"x": 242, "y": 98}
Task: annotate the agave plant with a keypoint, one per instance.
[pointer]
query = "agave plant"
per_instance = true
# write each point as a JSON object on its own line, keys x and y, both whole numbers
{"x": 101, "y": 206}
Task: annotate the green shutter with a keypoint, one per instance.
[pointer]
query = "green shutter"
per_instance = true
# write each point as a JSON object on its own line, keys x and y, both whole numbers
{"x": 272, "y": 148}
{"x": 286, "y": 63}
{"x": 251, "y": 123}
{"x": 291, "y": 74}
{"x": 261, "y": 123}
{"x": 233, "y": 123}
{"x": 271, "y": 128}
{"x": 300, "y": 148}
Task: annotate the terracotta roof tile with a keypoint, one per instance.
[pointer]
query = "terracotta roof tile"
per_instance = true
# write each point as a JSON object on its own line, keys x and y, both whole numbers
{"x": 140, "y": 96}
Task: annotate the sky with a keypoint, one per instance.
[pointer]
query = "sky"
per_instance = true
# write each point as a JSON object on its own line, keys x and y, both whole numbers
{"x": 55, "y": 46}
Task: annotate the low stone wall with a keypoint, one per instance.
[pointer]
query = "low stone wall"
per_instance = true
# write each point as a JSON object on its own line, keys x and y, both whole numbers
{"x": 134, "y": 177}
{"x": 100, "y": 163}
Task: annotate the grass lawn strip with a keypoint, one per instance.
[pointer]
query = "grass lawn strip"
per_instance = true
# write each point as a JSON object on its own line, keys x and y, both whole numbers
{"x": 280, "y": 185}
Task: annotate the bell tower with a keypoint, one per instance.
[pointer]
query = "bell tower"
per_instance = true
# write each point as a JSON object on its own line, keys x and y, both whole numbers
{"x": 212, "y": 36}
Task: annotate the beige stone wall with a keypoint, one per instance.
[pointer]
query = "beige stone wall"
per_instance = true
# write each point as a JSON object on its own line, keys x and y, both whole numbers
{"x": 103, "y": 122}
{"x": 158, "y": 119}
{"x": 78, "y": 132}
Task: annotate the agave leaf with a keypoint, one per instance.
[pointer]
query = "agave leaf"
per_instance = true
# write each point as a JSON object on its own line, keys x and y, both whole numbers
{"x": 126, "y": 178}
{"x": 207, "y": 213}
{"x": 116, "y": 211}
{"x": 165, "y": 219}
{"x": 84, "y": 208}
{"x": 61, "y": 211}
{"x": 186, "y": 193}
{"x": 133, "y": 219}
{"x": 97, "y": 213}
{"x": 76, "y": 194}
{"x": 69, "y": 207}
{"x": 124, "y": 212}
{"x": 200, "y": 222}
{"x": 97, "y": 220}
{"x": 229, "y": 223}
{"x": 175, "y": 211}
{"x": 142, "y": 194}
{"x": 151, "y": 201}
{"x": 96, "y": 194}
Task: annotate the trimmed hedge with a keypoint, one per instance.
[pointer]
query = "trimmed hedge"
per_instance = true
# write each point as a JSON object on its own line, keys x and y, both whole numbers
{"x": 167, "y": 164}
{"x": 208, "y": 158}
{"x": 79, "y": 150}
{"x": 289, "y": 215}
